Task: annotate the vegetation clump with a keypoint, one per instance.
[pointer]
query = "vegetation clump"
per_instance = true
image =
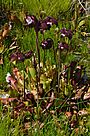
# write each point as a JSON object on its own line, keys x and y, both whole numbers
{"x": 44, "y": 68}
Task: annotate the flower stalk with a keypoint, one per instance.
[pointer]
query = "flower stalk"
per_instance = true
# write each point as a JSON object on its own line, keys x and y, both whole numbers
{"x": 38, "y": 54}
{"x": 59, "y": 65}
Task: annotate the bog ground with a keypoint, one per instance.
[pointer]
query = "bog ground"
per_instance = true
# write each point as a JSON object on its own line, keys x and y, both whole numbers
{"x": 45, "y": 68}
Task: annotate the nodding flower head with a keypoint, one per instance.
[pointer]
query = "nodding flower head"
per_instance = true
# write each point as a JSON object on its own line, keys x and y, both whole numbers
{"x": 40, "y": 25}
{"x": 47, "y": 44}
{"x": 44, "y": 27}
{"x": 66, "y": 33}
{"x": 17, "y": 56}
{"x": 13, "y": 57}
{"x": 20, "y": 56}
{"x": 63, "y": 32}
{"x": 47, "y": 23}
{"x": 51, "y": 21}
{"x": 31, "y": 20}
{"x": 63, "y": 46}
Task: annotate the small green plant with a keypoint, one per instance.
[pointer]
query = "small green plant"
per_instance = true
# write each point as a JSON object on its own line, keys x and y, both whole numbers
{"x": 44, "y": 68}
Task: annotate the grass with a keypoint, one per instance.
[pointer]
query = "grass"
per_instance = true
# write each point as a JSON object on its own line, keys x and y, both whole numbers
{"x": 52, "y": 126}
{"x": 27, "y": 116}
{"x": 36, "y": 6}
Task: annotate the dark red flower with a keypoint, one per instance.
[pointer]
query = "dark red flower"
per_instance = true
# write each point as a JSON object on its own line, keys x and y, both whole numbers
{"x": 63, "y": 32}
{"x": 63, "y": 46}
{"x": 20, "y": 56}
{"x": 40, "y": 25}
{"x": 51, "y": 21}
{"x": 66, "y": 33}
{"x": 44, "y": 26}
{"x": 31, "y": 20}
{"x": 17, "y": 56}
{"x": 13, "y": 57}
{"x": 47, "y": 44}
{"x": 47, "y": 23}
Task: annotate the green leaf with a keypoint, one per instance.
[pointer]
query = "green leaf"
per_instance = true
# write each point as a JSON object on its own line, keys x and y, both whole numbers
{"x": 81, "y": 23}
{"x": 1, "y": 48}
{"x": 33, "y": 73}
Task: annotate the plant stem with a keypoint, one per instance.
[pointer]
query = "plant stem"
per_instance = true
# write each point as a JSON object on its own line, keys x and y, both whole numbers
{"x": 54, "y": 53}
{"x": 24, "y": 85}
{"x": 37, "y": 86}
{"x": 23, "y": 81}
{"x": 44, "y": 58}
{"x": 38, "y": 54}
{"x": 59, "y": 64}
{"x": 76, "y": 14}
